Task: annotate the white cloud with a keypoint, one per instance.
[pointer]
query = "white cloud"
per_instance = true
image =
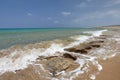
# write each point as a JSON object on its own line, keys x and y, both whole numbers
{"x": 83, "y": 4}
{"x": 113, "y": 13}
{"x": 98, "y": 15}
{"x": 66, "y": 13}
{"x": 29, "y": 14}
{"x": 116, "y": 1}
{"x": 112, "y": 3}
{"x": 103, "y": 14}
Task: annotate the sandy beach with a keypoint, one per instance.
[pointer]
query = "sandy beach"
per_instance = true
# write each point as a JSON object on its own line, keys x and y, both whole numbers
{"x": 110, "y": 70}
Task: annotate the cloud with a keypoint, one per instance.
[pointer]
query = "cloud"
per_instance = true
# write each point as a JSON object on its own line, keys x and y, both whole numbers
{"x": 116, "y": 1}
{"x": 84, "y": 4}
{"x": 112, "y": 3}
{"x": 112, "y": 13}
{"x": 66, "y": 13}
{"x": 29, "y": 14}
{"x": 81, "y": 5}
{"x": 103, "y": 14}
{"x": 98, "y": 15}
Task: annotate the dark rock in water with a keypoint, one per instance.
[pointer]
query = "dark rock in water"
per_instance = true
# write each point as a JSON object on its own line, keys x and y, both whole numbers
{"x": 82, "y": 51}
{"x": 101, "y": 41}
{"x": 88, "y": 48}
{"x": 96, "y": 42}
{"x": 70, "y": 49}
{"x": 66, "y": 55}
{"x": 97, "y": 46}
{"x": 40, "y": 58}
{"x": 58, "y": 64}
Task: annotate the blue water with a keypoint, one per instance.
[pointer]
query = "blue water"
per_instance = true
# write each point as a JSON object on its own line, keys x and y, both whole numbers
{"x": 9, "y": 37}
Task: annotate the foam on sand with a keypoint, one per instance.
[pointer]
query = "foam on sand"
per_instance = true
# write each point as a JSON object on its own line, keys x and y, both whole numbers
{"x": 20, "y": 59}
{"x": 96, "y": 33}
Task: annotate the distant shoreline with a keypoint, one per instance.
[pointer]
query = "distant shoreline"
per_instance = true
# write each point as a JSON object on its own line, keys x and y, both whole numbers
{"x": 110, "y": 26}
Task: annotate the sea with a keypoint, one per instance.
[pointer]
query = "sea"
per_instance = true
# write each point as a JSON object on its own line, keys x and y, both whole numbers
{"x": 13, "y": 36}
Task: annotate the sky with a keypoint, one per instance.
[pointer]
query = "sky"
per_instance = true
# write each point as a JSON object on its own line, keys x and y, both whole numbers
{"x": 58, "y": 13}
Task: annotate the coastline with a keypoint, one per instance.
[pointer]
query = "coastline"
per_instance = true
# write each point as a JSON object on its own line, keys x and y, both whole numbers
{"x": 86, "y": 60}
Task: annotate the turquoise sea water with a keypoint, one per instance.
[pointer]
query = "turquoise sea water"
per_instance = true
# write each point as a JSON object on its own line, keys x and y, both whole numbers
{"x": 9, "y": 37}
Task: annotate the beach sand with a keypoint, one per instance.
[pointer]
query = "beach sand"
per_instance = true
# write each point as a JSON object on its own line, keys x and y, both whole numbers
{"x": 111, "y": 66}
{"x": 111, "y": 69}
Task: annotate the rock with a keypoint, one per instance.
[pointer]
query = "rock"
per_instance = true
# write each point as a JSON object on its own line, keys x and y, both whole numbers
{"x": 101, "y": 41}
{"x": 58, "y": 64}
{"x": 70, "y": 49}
{"x": 93, "y": 42}
{"x": 40, "y": 58}
{"x": 66, "y": 55}
{"x": 82, "y": 51}
{"x": 88, "y": 48}
{"x": 97, "y": 46}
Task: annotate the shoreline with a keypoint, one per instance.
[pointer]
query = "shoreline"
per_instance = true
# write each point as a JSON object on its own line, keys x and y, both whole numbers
{"x": 82, "y": 60}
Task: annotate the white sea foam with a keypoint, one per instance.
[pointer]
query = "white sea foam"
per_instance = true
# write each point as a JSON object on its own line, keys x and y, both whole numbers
{"x": 78, "y": 40}
{"x": 92, "y": 77}
{"x": 26, "y": 57}
{"x": 10, "y": 64}
{"x": 53, "y": 49}
{"x": 96, "y": 33}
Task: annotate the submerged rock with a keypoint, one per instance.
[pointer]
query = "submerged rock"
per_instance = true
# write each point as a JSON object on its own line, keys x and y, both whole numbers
{"x": 66, "y": 55}
{"x": 88, "y": 48}
{"x": 93, "y": 42}
{"x": 97, "y": 46}
{"x": 70, "y": 49}
{"x": 58, "y": 64}
{"x": 82, "y": 51}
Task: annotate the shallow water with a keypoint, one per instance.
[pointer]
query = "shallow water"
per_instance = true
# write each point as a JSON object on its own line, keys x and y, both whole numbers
{"x": 9, "y": 37}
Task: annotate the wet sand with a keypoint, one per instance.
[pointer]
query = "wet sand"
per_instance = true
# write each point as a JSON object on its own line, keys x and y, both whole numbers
{"x": 111, "y": 69}
{"x": 111, "y": 66}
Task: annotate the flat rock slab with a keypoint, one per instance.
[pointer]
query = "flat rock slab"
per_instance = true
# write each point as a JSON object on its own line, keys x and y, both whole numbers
{"x": 58, "y": 64}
